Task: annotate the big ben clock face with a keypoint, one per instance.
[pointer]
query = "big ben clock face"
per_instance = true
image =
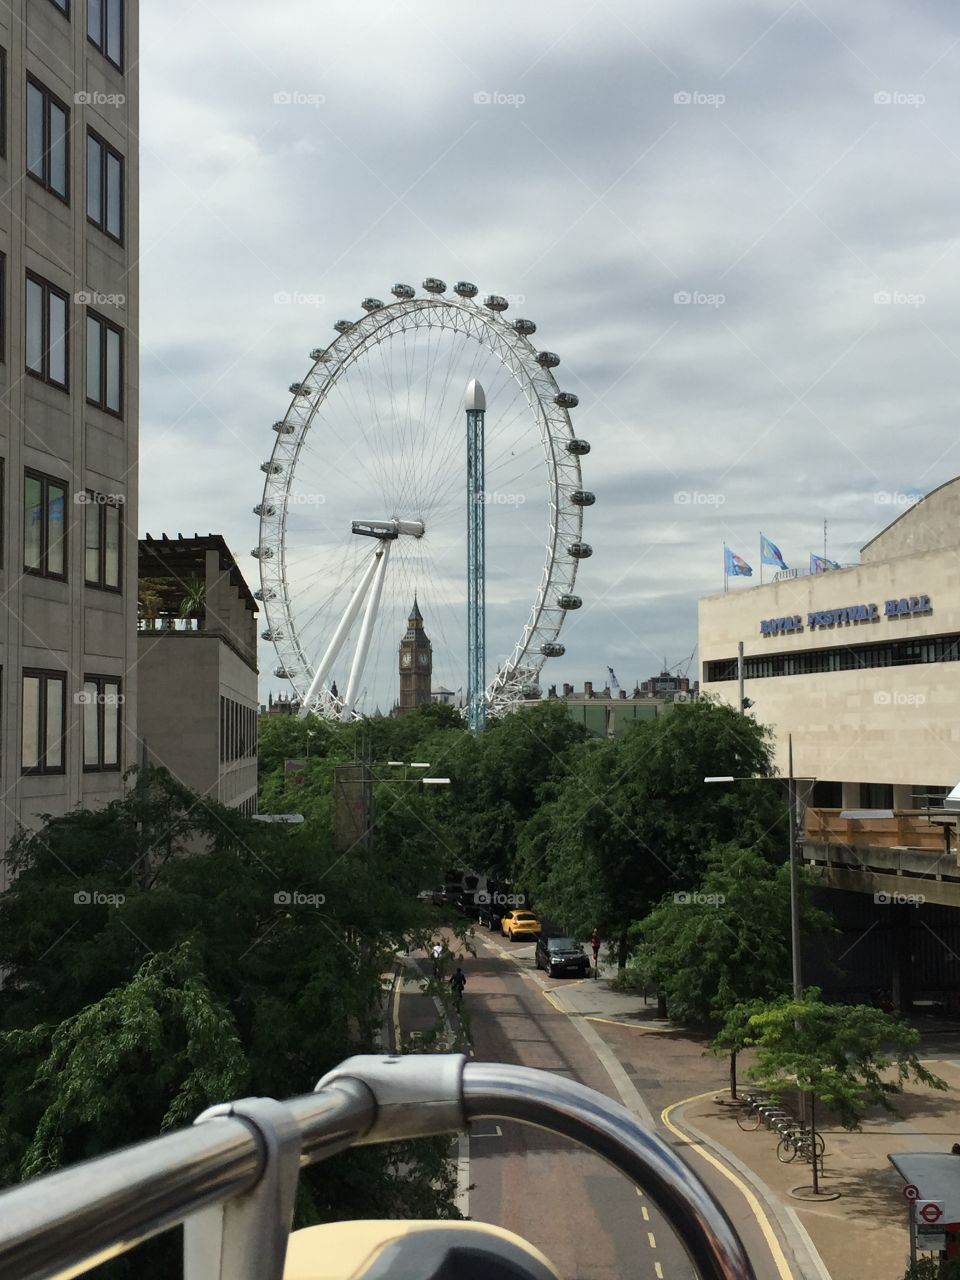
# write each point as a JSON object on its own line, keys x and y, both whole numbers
{"x": 424, "y": 659}
{"x": 406, "y": 659}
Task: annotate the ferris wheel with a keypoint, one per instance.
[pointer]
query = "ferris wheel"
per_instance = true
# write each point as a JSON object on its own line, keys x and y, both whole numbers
{"x": 363, "y": 518}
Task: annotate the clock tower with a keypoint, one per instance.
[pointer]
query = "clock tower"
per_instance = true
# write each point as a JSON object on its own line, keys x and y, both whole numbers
{"x": 416, "y": 663}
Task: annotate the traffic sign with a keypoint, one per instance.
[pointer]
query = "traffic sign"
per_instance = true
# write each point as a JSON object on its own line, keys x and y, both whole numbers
{"x": 911, "y": 1192}
{"x": 930, "y": 1211}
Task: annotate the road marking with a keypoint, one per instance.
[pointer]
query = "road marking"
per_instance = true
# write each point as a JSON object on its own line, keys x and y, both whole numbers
{"x": 652, "y": 1239}
{"x": 659, "y": 1270}
{"x": 646, "y": 1213}
{"x": 773, "y": 1244}
{"x": 612, "y": 1022}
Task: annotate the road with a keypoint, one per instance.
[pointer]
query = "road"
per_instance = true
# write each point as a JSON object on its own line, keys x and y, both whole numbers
{"x": 588, "y": 1220}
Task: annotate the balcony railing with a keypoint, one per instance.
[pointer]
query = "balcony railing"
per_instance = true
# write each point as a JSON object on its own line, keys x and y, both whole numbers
{"x": 907, "y": 829}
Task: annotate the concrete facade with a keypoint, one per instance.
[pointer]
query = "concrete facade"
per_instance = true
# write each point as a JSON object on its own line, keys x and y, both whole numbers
{"x": 59, "y": 625}
{"x": 884, "y": 707}
{"x": 199, "y": 703}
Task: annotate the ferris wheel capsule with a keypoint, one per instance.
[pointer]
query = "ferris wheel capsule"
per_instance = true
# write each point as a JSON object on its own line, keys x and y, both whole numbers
{"x": 583, "y": 498}
{"x": 283, "y": 428}
{"x": 552, "y": 649}
{"x": 265, "y": 509}
{"x": 271, "y": 468}
{"x": 525, "y": 327}
{"x": 569, "y": 602}
{"x": 580, "y": 550}
{"x": 566, "y": 400}
{"x": 404, "y": 292}
{"x": 321, "y": 353}
{"x": 547, "y": 359}
{"x": 262, "y": 553}
{"x": 371, "y": 304}
{"x": 433, "y": 284}
{"x": 299, "y": 389}
{"x": 493, "y": 302}
{"x": 578, "y": 447}
{"x": 344, "y": 326}
{"x": 465, "y": 289}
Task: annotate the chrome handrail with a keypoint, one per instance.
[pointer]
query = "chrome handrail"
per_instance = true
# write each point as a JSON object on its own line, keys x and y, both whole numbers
{"x": 230, "y": 1177}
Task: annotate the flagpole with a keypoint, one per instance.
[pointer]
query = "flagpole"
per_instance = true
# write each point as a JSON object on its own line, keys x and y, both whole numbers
{"x": 725, "y": 568}
{"x": 761, "y": 559}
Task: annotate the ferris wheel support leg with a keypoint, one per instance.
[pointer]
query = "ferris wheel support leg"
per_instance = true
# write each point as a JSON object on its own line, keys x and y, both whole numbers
{"x": 336, "y": 644}
{"x": 366, "y": 631}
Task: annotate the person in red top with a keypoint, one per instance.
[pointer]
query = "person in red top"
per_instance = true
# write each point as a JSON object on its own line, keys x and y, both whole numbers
{"x": 595, "y": 943}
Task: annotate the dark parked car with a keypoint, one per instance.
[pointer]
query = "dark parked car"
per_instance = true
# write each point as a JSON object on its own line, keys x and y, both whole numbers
{"x": 562, "y": 956}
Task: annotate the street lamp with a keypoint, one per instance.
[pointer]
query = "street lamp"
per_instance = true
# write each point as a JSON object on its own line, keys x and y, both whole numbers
{"x": 794, "y": 879}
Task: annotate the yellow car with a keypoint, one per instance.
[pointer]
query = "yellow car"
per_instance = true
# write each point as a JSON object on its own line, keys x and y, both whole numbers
{"x": 520, "y": 924}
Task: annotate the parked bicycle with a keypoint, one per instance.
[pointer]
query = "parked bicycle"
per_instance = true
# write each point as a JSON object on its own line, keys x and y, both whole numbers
{"x": 799, "y": 1143}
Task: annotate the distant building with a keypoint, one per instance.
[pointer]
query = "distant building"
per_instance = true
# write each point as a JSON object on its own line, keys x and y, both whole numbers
{"x": 281, "y": 705}
{"x": 666, "y": 685}
{"x": 605, "y": 713}
{"x": 416, "y": 663}
{"x": 198, "y": 667}
{"x": 446, "y": 696}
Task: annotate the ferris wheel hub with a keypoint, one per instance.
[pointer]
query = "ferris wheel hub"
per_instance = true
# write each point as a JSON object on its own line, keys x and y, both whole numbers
{"x": 388, "y": 530}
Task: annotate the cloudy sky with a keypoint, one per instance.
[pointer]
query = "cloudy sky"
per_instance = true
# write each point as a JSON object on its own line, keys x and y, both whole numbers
{"x": 736, "y": 223}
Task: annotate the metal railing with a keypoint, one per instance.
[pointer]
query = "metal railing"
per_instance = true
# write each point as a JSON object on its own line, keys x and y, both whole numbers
{"x": 231, "y": 1179}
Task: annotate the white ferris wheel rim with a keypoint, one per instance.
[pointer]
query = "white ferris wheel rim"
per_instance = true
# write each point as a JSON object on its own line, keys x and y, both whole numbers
{"x": 459, "y": 314}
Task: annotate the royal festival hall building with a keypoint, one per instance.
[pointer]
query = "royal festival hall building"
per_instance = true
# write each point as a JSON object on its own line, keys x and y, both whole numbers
{"x": 860, "y": 666}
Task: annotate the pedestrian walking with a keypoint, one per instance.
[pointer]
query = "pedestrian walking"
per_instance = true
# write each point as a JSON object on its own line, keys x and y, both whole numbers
{"x": 437, "y": 959}
{"x": 595, "y": 944}
{"x": 457, "y": 983}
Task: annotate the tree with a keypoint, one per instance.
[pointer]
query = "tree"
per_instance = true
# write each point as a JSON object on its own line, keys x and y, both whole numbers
{"x": 248, "y": 959}
{"x": 725, "y": 943}
{"x": 631, "y": 818}
{"x": 841, "y": 1055}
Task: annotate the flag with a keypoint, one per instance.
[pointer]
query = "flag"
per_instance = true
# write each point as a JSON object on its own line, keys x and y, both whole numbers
{"x": 770, "y": 553}
{"x": 820, "y": 564}
{"x": 734, "y": 565}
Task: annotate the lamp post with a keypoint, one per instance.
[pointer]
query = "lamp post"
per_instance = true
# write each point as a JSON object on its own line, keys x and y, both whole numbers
{"x": 794, "y": 872}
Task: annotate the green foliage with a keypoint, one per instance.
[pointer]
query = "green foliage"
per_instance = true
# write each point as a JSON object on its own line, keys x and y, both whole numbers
{"x": 631, "y": 817}
{"x": 725, "y": 943}
{"x": 849, "y": 1057}
{"x": 933, "y": 1269}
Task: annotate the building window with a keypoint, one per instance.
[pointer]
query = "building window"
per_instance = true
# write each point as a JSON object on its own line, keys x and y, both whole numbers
{"x": 101, "y": 701}
{"x": 48, "y": 125}
{"x": 104, "y": 186}
{"x": 41, "y": 737}
{"x": 105, "y": 28}
{"x": 62, "y": 5}
{"x": 101, "y": 542}
{"x": 44, "y": 533}
{"x": 238, "y": 731}
{"x": 104, "y": 364}
{"x": 48, "y": 354}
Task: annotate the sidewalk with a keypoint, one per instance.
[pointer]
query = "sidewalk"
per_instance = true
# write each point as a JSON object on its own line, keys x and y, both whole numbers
{"x": 864, "y": 1231}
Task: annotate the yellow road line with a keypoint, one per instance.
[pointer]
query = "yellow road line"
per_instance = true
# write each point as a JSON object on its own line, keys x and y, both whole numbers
{"x": 646, "y": 1213}
{"x": 612, "y": 1022}
{"x": 652, "y": 1239}
{"x": 659, "y": 1270}
{"x": 773, "y": 1244}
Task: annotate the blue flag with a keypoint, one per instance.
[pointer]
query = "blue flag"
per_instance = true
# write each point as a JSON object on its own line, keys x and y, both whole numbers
{"x": 770, "y": 553}
{"x": 733, "y": 565}
{"x": 820, "y": 564}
